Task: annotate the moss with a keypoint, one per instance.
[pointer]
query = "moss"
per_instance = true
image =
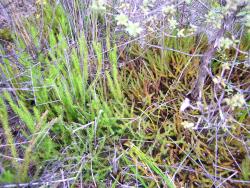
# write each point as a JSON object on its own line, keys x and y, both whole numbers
{"x": 5, "y": 34}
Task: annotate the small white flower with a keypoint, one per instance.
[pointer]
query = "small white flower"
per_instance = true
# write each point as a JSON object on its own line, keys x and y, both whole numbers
{"x": 148, "y": 3}
{"x": 214, "y": 18}
{"x": 192, "y": 28}
{"x": 145, "y": 10}
{"x": 236, "y": 101}
{"x": 247, "y": 20}
{"x": 188, "y": 1}
{"x": 226, "y": 66}
{"x": 124, "y": 6}
{"x": 98, "y": 5}
{"x": 133, "y": 29}
{"x": 225, "y": 43}
{"x": 145, "y": 3}
{"x": 216, "y": 80}
{"x": 180, "y": 33}
{"x": 122, "y": 19}
{"x": 172, "y": 23}
{"x": 170, "y": 9}
{"x": 185, "y": 104}
{"x": 232, "y": 4}
{"x": 219, "y": 80}
{"x": 187, "y": 125}
{"x": 150, "y": 29}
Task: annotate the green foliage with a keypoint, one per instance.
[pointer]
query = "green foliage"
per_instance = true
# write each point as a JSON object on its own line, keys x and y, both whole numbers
{"x": 7, "y": 177}
{"x": 134, "y": 151}
{"x": 245, "y": 168}
{"x": 36, "y": 126}
{"x": 77, "y": 106}
{"x": 5, "y": 34}
{"x": 9, "y": 137}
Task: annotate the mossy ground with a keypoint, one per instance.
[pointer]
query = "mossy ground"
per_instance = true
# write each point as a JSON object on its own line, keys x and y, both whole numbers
{"x": 91, "y": 111}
